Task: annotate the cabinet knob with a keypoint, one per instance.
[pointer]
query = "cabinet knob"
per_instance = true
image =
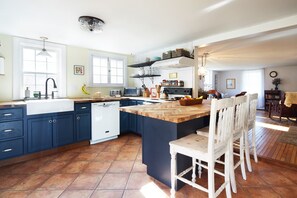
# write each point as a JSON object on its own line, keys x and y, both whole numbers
{"x": 83, "y": 107}
{"x": 78, "y": 118}
{"x": 54, "y": 120}
{"x": 50, "y": 121}
{"x": 6, "y": 150}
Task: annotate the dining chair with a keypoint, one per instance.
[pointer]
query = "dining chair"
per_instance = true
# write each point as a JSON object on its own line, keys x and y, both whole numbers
{"x": 207, "y": 149}
{"x": 238, "y": 139}
{"x": 251, "y": 126}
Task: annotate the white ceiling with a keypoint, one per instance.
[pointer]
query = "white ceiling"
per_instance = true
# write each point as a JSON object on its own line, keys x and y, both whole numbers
{"x": 134, "y": 26}
{"x": 267, "y": 49}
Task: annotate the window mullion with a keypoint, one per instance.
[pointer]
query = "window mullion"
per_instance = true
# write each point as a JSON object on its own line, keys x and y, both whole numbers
{"x": 108, "y": 71}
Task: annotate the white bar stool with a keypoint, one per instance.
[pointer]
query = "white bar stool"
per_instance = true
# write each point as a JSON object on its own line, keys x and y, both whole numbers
{"x": 207, "y": 149}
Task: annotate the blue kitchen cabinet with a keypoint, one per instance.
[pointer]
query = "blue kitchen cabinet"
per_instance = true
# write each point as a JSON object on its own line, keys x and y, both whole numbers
{"x": 83, "y": 126}
{"x": 132, "y": 118}
{"x": 130, "y": 122}
{"x": 83, "y": 121}
{"x": 12, "y": 133}
{"x": 40, "y": 134}
{"x": 124, "y": 118}
{"x": 49, "y": 131}
{"x": 63, "y": 130}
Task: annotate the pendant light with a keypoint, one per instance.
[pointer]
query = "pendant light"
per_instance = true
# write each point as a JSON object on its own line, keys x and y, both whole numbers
{"x": 43, "y": 52}
{"x": 202, "y": 70}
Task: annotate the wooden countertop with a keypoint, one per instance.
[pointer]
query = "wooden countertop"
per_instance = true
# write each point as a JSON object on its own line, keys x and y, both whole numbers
{"x": 10, "y": 104}
{"x": 170, "y": 111}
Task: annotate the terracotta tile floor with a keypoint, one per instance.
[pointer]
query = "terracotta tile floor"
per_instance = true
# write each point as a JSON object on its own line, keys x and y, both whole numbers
{"x": 114, "y": 169}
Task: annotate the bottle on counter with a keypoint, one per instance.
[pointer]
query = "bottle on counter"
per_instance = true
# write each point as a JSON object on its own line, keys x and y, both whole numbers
{"x": 27, "y": 93}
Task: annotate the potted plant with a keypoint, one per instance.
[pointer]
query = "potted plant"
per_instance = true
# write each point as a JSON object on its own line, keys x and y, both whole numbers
{"x": 276, "y": 82}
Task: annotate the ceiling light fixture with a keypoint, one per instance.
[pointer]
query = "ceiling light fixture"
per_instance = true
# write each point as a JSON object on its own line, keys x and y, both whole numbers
{"x": 43, "y": 51}
{"x": 91, "y": 24}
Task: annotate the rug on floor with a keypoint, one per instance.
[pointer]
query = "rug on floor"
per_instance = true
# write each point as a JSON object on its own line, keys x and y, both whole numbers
{"x": 289, "y": 137}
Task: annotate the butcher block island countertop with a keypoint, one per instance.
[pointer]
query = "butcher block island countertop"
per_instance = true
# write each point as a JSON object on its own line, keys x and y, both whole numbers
{"x": 170, "y": 111}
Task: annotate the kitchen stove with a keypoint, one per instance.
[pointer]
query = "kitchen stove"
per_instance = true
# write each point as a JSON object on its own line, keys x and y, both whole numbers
{"x": 177, "y": 93}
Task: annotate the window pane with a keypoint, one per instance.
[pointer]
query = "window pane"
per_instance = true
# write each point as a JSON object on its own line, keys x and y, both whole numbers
{"x": 120, "y": 64}
{"x": 53, "y": 58}
{"x": 28, "y": 54}
{"x": 40, "y": 79}
{"x": 103, "y": 79}
{"x": 113, "y": 63}
{"x": 96, "y": 70}
{"x": 29, "y": 66}
{"x": 120, "y": 79}
{"x": 120, "y": 72}
{"x": 96, "y": 79}
{"x": 113, "y": 79}
{"x": 96, "y": 61}
{"x": 40, "y": 58}
{"x": 29, "y": 79}
{"x": 51, "y": 68}
{"x": 104, "y": 62}
{"x": 41, "y": 67}
{"x": 113, "y": 71}
{"x": 104, "y": 70}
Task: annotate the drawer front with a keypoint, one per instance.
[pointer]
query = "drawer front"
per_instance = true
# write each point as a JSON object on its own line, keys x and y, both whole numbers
{"x": 11, "y": 129}
{"x": 11, "y": 114}
{"x": 83, "y": 107}
{"x": 11, "y": 148}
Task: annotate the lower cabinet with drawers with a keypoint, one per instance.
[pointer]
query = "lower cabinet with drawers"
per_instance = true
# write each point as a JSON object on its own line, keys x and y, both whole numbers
{"x": 22, "y": 134}
{"x": 12, "y": 134}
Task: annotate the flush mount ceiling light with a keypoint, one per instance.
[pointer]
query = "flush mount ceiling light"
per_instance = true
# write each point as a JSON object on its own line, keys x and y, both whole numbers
{"x": 43, "y": 51}
{"x": 91, "y": 24}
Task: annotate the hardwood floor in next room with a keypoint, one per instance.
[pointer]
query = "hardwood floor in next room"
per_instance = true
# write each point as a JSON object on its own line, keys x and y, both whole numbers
{"x": 269, "y": 147}
{"x": 113, "y": 169}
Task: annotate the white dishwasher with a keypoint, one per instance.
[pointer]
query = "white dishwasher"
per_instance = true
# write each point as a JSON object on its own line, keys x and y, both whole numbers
{"x": 105, "y": 121}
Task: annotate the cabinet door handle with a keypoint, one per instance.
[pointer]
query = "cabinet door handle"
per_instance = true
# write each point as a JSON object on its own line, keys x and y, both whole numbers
{"x": 7, "y": 114}
{"x": 54, "y": 120}
{"x": 6, "y": 150}
{"x": 83, "y": 107}
{"x": 78, "y": 118}
{"x": 7, "y": 130}
{"x": 50, "y": 121}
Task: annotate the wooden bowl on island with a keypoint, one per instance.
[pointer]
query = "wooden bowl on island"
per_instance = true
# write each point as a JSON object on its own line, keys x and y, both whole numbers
{"x": 192, "y": 101}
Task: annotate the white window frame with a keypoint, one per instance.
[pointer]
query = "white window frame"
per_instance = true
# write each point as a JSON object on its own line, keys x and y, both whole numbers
{"x": 18, "y": 45}
{"x": 106, "y": 55}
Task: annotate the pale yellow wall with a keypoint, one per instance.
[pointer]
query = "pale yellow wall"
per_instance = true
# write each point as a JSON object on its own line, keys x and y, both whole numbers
{"x": 74, "y": 56}
{"x": 6, "y": 80}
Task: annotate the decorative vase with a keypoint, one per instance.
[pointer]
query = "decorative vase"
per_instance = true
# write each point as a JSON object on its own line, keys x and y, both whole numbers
{"x": 276, "y": 88}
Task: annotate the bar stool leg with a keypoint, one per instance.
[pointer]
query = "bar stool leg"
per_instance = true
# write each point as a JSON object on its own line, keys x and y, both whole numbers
{"x": 247, "y": 152}
{"x": 173, "y": 173}
{"x": 254, "y": 144}
{"x": 194, "y": 170}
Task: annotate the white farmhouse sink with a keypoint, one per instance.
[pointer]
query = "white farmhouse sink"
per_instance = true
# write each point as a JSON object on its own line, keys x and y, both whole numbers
{"x": 49, "y": 106}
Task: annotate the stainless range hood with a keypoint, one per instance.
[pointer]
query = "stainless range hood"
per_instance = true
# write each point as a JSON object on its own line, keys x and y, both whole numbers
{"x": 179, "y": 62}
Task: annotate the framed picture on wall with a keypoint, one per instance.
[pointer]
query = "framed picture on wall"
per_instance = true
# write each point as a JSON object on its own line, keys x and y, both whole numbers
{"x": 230, "y": 83}
{"x": 79, "y": 70}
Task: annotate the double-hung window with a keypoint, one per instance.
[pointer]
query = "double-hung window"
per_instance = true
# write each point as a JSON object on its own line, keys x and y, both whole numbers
{"x": 107, "y": 70}
{"x": 32, "y": 70}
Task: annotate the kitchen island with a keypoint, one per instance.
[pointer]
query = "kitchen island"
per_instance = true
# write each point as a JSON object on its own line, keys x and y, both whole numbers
{"x": 162, "y": 123}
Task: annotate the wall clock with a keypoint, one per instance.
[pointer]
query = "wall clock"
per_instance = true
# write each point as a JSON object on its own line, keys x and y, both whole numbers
{"x": 273, "y": 74}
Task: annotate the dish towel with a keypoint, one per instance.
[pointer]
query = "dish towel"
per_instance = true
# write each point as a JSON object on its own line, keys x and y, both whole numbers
{"x": 291, "y": 98}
